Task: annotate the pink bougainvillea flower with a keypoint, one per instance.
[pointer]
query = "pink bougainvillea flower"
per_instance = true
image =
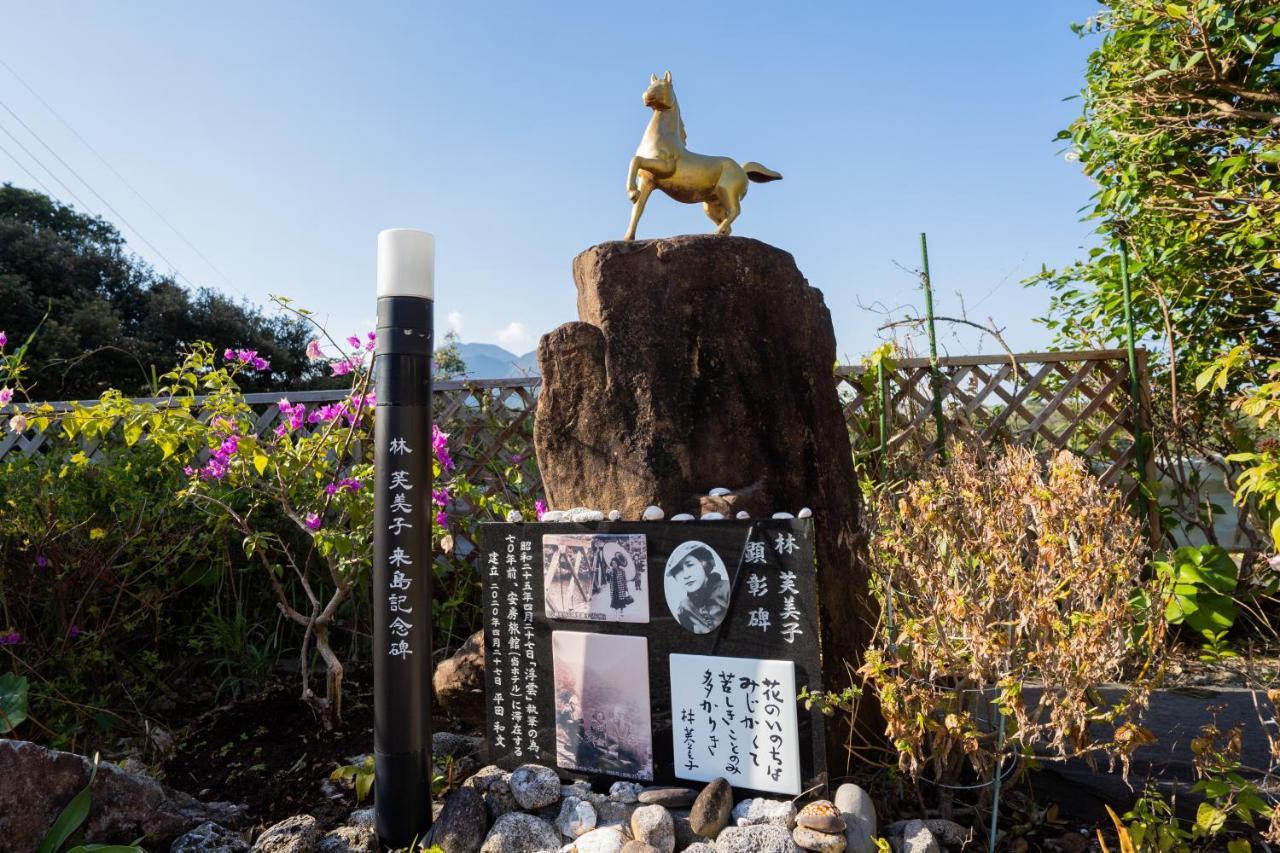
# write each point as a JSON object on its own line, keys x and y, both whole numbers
{"x": 539, "y": 507}
{"x": 18, "y": 423}
{"x": 442, "y": 518}
{"x": 440, "y": 496}
{"x": 341, "y": 367}
{"x": 517, "y": 458}
{"x": 247, "y": 358}
{"x": 313, "y": 521}
{"x": 354, "y": 341}
{"x": 4, "y": 339}
{"x": 313, "y": 350}
{"x": 440, "y": 446}
{"x": 371, "y": 341}
{"x": 42, "y": 562}
{"x": 12, "y": 639}
{"x": 6, "y": 396}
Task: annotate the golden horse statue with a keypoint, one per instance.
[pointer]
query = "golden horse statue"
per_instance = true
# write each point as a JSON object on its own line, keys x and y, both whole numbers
{"x": 664, "y": 163}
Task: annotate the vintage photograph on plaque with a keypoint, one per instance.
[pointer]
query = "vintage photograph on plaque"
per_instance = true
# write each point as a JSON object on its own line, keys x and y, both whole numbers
{"x": 598, "y": 577}
{"x": 602, "y": 704}
{"x": 697, "y": 587}
{"x": 736, "y": 718}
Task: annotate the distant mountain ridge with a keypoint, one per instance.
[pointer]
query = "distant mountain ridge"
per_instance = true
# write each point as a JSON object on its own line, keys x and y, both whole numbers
{"x": 490, "y": 361}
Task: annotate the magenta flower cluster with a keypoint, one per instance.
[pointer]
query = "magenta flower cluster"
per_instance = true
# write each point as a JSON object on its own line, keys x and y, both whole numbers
{"x": 10, "y": 639}
{"x": 219, "y": 460}
{"x": 4, "y": 339}
{"x": 440, "y": 447}
{"x": 348, "y": 484}
{"x": 539, "y": 508}
{"x": 295, "y": 415}
{"x": 247, "y": 358}
{"x": 343, "y": 366}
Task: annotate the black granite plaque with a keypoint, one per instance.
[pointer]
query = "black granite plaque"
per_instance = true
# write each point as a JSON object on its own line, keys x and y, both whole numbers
{"x": 581, "y": 625}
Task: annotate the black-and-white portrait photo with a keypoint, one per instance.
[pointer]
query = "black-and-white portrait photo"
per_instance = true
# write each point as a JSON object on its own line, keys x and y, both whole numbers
{"x": 697, "y": 587}
{"x": 602, "y": 704}
{"x": 598, "y": 576}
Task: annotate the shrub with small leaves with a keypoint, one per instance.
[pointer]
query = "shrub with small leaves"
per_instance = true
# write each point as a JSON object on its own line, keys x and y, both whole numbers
{"x": 998, "y": 574}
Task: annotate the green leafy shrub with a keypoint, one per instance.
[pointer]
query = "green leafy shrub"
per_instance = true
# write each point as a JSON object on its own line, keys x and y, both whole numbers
{"x": 1200, "y": 584}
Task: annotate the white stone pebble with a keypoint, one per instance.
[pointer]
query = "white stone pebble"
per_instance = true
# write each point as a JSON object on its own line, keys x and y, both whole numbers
{"x": 583, "y": 514}
{"x": 682, "y": 516}
{"x": 743, "y": 515}
{"x": 713, "y": 516}
{"x": 652, "y": 513}
{"x": 783, "y": 515}
{"x": 552, "y": 515}
{"x": 614, "y": 514}
{"x": 805, "y": 513}
{"x": 719, "y": 492}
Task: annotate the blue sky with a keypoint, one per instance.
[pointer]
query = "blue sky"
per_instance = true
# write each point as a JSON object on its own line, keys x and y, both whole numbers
{"x": 279, "y": 138}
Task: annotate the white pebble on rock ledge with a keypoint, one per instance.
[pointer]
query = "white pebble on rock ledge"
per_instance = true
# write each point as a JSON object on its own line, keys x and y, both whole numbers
{"x": 713, "y": 516}
{"x": 582, "y": 514}
{"x": 514, "y": 516}
{"x": 805, "y": 513}
{"x": 758, "y": 810}
{"x": 682, "y": 516}
{"x": 552, "y": 515}
{"x": 653, "y": 513}
{"x": 719, "y": 492}
{"x": 783, "y": 515}
{"x": 614, "y": 514}
{"x": 743, "y": 515}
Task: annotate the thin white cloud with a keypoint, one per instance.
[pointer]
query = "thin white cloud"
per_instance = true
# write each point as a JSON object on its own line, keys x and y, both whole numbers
{"x": 515, "y": 337}
{"x": 454, "y": 322}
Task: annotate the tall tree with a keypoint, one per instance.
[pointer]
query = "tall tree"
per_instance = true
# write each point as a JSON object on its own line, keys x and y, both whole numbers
{"x": 1180, "y": 130}
{"x": 106, "y": 319}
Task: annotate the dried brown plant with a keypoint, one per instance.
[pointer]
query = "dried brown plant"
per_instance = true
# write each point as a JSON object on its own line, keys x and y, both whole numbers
{"x": 1009, "y": 581}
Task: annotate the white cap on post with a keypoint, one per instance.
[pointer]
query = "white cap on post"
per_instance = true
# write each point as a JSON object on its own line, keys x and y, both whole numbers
{"x": 406, "y": 263}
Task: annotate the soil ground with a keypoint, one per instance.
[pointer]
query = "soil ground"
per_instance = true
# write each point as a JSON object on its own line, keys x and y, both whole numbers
{"x": 270, "y": 752}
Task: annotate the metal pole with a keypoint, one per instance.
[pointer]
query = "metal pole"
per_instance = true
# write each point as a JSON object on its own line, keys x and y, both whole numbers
{"x": 935, "y": 378}
{"x": 402, "y": 537}
{"x": 882, "y": 383}
{"x": 1135, "y": 389}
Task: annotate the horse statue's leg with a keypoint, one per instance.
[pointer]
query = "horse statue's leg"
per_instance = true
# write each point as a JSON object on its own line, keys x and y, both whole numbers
{"x": 640, "y": 197}
{"x": 730, "y": 204}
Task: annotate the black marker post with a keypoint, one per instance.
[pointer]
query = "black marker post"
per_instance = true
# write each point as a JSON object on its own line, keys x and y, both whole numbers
{"x": 402, "y": 537}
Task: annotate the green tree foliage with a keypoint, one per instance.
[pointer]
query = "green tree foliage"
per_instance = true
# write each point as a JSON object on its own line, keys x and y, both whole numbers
{"x": 1181, "y": 132}
{"x": 112, "y": 321}
{"x": 447, "y": 361}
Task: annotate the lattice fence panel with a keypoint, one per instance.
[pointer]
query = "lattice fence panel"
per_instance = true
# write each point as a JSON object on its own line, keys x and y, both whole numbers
{"x": 1077, "y": 401}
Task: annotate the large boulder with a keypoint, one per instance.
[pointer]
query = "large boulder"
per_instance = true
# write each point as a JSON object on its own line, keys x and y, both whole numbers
{"x": 705, "y": 361}
{"x": 458, "y": 682}
{"x": 36, "y": 783}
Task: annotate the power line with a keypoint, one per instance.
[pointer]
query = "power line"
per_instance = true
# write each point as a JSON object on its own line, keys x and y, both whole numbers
{"x": 58, "y": 180}
{"x": 120, "y": 177}
{"x": 30, "y": 173}
{"x": 88, "y": 186}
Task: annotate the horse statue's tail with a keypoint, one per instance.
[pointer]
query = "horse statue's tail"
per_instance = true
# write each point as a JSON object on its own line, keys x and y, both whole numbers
{"x": 759, "y": 173}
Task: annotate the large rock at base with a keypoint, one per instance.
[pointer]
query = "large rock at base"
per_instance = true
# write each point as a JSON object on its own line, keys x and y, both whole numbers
{"x": 36, "y": 783}
{"x": 297, "y": 834}
{"x": 462, "y": 822}
{"x": 458, "y": 682}
{"x": 705, "y": 361}
{"x": 521, "y": 833}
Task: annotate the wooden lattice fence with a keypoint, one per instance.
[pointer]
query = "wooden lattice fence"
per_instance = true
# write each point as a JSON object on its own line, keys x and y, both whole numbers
{"x": 1049, "y": 401}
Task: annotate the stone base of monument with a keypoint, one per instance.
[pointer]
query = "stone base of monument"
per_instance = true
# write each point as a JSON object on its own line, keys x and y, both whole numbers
{"x": 530, "y": 810}
{"x": 703, "y": 362}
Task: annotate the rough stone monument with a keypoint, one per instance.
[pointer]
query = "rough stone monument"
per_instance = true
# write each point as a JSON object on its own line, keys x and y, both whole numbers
{"x": 704, "y": 362}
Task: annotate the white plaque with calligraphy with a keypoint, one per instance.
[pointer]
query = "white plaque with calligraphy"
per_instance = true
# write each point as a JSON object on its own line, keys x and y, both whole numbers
{"x": 736, "y": 718}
